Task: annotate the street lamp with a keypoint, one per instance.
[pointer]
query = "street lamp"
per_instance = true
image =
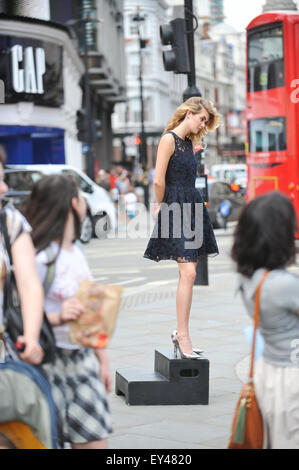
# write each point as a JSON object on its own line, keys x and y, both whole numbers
{"x": 142, "y": 44}
{"x": 79, "y": 23}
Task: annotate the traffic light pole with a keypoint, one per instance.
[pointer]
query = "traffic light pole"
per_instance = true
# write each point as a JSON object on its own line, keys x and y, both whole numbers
{"x": 81, "y": 25}
{"x": 192, "y": 89}
{"x": 142, "y": 148}
{"x": 90, "y": 154}
{"x": 202, "y": 277}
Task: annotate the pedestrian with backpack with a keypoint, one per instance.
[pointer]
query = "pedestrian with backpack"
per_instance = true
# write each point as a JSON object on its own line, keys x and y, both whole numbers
{"x": 17, "y": 231}
{"x": 79, "y": 377}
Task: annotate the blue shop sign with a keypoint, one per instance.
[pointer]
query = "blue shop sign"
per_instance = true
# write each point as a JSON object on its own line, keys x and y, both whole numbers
{"x": 33, "y": 144}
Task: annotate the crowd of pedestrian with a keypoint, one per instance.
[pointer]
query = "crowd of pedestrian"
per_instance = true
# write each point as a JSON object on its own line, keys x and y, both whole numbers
{"x": 128, "y": 187}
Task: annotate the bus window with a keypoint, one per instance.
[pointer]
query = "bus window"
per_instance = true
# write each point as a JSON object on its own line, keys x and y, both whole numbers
{"x": 272, "y": 141}
{"x": 266, "y": 135}
{"x": 258, "y": 141}
{"x": 265, "y": 58}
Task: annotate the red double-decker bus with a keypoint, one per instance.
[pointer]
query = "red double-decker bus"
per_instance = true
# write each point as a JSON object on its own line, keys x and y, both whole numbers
{"x": 272, "y": 108}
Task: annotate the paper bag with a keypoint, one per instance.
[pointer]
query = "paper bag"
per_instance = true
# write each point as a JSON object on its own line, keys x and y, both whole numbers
{"x": 95, "y": 326}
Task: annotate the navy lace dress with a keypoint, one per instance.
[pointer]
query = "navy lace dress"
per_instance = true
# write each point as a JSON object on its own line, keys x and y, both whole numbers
{"x": 180, "y": 188}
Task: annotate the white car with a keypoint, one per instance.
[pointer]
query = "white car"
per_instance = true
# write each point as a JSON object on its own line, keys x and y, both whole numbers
{"x": 231, "y": 173}
{"x": 99, "y": 201}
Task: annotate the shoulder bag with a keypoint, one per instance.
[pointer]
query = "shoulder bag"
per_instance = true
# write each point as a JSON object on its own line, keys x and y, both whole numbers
{"x": 247, "y": 428}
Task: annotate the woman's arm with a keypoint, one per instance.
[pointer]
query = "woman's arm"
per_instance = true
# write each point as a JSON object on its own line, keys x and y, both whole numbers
{"x": 165, "y": 150}
{"x": 31, "y": 296}
{"x": 105, "y": 373}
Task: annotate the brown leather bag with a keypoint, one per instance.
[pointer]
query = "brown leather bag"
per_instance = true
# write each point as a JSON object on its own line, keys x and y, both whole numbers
{"x": 247, "y": 428}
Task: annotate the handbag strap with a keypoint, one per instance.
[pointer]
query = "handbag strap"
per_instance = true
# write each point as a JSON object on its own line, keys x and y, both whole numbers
{"x": 5, "y": 236}
{"x": 49, "y": 253}
{"x": 8, "y": 299}
{"x": 50, "y": 271}
{"x": 256, "y": 321}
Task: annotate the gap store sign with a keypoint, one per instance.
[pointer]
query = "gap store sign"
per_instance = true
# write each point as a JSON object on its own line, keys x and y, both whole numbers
{"x": 31, "y": 70}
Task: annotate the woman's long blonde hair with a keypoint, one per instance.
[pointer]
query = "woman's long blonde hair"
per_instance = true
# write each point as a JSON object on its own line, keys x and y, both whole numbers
{"x": 195, "y": 105}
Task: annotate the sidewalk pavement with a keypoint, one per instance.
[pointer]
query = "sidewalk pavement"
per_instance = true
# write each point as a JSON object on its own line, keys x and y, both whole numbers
{"x": 145, "y": 323}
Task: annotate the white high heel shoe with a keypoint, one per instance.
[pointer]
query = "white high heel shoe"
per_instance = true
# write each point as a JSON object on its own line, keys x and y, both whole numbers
{"x": 196, "y": 350}
{"x": 176, "y": 344}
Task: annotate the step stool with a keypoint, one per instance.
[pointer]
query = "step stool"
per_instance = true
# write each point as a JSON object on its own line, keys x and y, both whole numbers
{"x": 173, "y": 382}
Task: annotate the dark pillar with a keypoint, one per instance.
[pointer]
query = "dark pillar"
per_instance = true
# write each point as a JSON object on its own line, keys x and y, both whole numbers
{"x": 192, "y": 90}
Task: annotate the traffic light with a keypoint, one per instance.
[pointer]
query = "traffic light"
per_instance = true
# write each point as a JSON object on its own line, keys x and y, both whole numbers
{"x": 82, "y": 125}
{"x": 174, "y": 33}
{"x": 96, "y": 125}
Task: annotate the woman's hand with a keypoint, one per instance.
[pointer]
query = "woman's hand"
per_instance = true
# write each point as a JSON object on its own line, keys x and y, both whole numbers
{"x": 33, "y": 352}
{"x": 105, "y": 373}
{"x": 71, "y": 309}
{"x": 157, "y": 208}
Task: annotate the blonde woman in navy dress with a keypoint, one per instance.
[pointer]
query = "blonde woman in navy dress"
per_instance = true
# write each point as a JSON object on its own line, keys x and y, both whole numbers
{"x": 174, "y": 182}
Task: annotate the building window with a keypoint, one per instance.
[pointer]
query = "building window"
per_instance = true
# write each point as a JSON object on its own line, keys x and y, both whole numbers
{"x": 147, "y": 63}
{"x": 148, "y": 109}
{"x": 135, "y": 110}
{"x": 136, "y": 115}
{"x": 133, "y": 64}
{"x": 133, "y": 31}
{"x": 132, "y": 26}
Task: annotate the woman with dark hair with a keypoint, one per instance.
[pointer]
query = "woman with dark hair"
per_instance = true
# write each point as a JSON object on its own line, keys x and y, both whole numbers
{"x": 264, "y": 240}
{"x": 79, "y": 375}
{"x": 28, "y": 285}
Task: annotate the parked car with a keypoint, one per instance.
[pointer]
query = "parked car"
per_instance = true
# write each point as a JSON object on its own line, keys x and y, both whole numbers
{"x": 225, "y": 203}
{"x": 20, "y": 179}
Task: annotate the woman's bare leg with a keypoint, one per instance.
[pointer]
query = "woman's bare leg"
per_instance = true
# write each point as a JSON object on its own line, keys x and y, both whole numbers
{"x": 187, "y": 273}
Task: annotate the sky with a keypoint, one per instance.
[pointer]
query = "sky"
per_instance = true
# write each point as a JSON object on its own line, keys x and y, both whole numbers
{"x": 239, "y": 13}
